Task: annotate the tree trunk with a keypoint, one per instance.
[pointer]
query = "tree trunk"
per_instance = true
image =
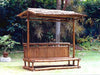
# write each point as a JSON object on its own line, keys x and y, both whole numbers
{"x": 58, "y": 23}
{"x": 65, "y": 5}
{"x": 58, "y": 31}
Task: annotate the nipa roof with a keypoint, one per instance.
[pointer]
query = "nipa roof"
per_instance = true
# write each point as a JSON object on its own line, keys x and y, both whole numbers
{"x": 48, "y": 13}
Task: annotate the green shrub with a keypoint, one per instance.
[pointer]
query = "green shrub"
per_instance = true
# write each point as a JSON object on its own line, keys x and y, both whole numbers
{"x": 85, "y": 39}
{"x": 7, "y": 43}
{"x": 88, "y": 43}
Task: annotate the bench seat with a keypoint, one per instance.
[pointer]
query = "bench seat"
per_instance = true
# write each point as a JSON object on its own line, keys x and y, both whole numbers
{"x": 54, "y": 59}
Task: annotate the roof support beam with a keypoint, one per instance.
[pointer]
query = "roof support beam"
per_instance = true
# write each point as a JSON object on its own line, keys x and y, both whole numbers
{"x": 73, "y": 40}
{"x": 28, "y": 50}
{"x": 49, "y": 20}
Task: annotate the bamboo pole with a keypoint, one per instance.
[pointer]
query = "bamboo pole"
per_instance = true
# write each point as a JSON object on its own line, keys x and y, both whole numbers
{"x": 28, "y": 33}
{"x": 73, "y": 40}
{"x": 49, "y": 20}
{"x": 28, "y": 50}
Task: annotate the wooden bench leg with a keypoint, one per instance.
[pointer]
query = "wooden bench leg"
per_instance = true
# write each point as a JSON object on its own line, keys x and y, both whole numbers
{"x": 68, "y": 62}
{"x": 78, "y": 63}
{"x": 73, "y": 62}
{"x": 24, "y": 63}
{"x": 33, "y": 66}
{"x": 28, "y": 64}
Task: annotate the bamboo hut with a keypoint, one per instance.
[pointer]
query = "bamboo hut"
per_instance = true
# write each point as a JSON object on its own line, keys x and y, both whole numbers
{"x": 49, "y": 52}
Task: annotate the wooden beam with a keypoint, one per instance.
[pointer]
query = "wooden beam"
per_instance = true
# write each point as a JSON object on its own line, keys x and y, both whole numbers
{"x": 66, "y": 43}
{"x": 49, "y": 20}
{"x": 52, "y": 16}
{"x": 48, "y": 17}
{"x": 55, "y": 68}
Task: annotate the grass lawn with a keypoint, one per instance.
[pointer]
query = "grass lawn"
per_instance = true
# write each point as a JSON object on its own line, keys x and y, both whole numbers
{"x": 90, "y": 64}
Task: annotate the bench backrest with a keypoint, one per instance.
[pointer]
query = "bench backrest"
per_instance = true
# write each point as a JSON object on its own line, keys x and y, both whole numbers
{"x": 47, "y": 50}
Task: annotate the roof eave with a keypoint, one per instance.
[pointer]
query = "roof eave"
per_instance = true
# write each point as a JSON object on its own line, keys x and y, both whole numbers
{"x": 22, "y": 15}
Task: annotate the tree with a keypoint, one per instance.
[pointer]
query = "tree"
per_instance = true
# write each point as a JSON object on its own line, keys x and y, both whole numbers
{"x": 92, "y": 9}
{"x": 58, "y": 23}
{"x": 65, "y": 5}
{"x": 45, "y": 31}
{"x": 66, "y": 28}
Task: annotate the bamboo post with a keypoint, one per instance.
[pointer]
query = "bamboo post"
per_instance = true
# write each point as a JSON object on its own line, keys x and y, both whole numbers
{"x": 78, "y": 63}
{"x": 68, "y": 55}
{"x": 25, "y": 63}
{"x": 28, "y": 33}
{"x": 73, "y": 40}
{"x": 28, "y": 50}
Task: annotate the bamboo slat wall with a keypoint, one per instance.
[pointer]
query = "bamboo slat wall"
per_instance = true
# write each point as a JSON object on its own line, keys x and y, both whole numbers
{"x": 47, "y": 50}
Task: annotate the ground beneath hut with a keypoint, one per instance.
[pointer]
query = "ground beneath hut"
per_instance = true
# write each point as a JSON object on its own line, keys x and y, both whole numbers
{"x": 90, "y": 64}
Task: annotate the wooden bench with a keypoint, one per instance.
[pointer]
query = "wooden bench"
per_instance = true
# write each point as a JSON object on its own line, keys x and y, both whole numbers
{"x": 48, "y": 52}
{"x": 56, "y": 59}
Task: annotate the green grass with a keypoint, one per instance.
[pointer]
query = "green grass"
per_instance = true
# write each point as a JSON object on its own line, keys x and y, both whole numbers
{"x": 90, "y": 64}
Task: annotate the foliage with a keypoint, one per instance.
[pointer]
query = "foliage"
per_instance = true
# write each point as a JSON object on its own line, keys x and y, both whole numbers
{"x": 3, "y": 2}
{"x": 84, "y": 39}
{"x": 38, "y": 30}
{"x": 49, "y": 4}
{"x": 44, "y": 31}
{"x": 15, "y": 26}
{"x": 7, "y": 43}
{"x": 92, "y": 9}
{"x": 85, "y": 42}
{"x": 95, "y": 45}
{"x": 88, "y": 43}
{"x": 9, "y": 23}
{"x": 66, "y": 28}
{"x": 50, "y": 37}
{"x": 92, "y": 25}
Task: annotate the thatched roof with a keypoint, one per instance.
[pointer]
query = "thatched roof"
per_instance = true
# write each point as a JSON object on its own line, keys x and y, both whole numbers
{"x": 48, "y": 13}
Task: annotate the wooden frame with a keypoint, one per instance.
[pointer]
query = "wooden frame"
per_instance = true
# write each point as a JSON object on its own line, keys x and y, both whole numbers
{"x": 41, "y": 52}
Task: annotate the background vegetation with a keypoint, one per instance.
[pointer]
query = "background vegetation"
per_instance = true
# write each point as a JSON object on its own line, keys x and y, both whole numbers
{"x": 87, "y": 29}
